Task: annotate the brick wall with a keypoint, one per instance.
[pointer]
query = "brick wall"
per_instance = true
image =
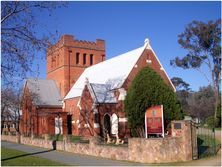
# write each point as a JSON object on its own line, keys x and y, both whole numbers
{"x": 64, "y": 67}
{"x": 141, "y": 63}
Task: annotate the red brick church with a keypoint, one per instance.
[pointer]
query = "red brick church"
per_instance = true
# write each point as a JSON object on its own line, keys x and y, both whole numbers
{"x": 89, "y": 94}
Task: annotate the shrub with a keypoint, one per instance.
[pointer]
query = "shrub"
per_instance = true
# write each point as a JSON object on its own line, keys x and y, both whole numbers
{"x": 148, "y": 89}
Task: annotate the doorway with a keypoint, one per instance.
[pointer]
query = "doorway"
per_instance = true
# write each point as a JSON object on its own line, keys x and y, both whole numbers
{"x": 69, "y": 124}
{"x": 106, "y": 124}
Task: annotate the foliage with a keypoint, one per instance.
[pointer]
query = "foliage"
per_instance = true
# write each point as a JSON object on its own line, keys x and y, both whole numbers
{"x": 12, "y": 157}
{"x": 219, "y": 114}
{"x": 180, "y": 84}
{"x": 10, "y": 108}
{"x": 201, "y": 103}
{"x": 148, "y": 89}
{"x": 183, "y": 91}
{"x": 211, "y": 122}
{"x": 203, "y": 43}
{"x": 57, "y": 137}
{"x": 20, "y": 37}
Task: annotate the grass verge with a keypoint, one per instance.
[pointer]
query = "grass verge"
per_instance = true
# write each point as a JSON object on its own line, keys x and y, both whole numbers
{"x": 12, "y": 157}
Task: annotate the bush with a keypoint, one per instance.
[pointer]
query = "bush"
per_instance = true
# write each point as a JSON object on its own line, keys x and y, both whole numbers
{"x": 56, "y": 137}
{"x": 210, "y": 122}
{"x": 148, "y": 89}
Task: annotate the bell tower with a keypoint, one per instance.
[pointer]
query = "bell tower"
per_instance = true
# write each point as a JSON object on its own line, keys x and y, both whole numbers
{"x": 68, "y": 58}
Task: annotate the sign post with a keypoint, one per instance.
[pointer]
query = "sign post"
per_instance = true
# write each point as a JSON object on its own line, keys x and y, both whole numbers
{"x": 154, "y": 122}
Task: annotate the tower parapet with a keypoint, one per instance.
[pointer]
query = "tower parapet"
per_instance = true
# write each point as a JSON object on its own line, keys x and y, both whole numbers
{"x": 67, "y": 59}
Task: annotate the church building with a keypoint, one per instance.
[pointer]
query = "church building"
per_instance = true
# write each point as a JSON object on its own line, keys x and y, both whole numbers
{"x": 93, "y": 89}
{"x": 96, "y": 100}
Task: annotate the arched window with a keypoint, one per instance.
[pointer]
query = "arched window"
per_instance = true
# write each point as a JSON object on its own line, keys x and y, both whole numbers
{"x": 114, "y": 124}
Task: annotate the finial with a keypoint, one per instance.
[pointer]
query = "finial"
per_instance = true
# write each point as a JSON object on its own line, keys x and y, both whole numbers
{"x": 87, "y": 80}
{"x": 146, "y": 42}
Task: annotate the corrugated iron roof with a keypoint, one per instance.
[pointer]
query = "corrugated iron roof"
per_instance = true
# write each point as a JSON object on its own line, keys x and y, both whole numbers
{"x": 44, "y": 92}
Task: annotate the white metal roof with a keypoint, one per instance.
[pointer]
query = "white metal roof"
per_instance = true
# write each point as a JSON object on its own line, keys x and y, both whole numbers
{"x": 113, "y": 71}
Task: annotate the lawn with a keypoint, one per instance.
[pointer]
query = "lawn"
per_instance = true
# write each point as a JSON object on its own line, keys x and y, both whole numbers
{"x": 11, "y": 157}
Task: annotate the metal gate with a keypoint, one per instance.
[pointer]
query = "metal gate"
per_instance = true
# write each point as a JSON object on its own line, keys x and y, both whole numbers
{"x": 207, "y": 144}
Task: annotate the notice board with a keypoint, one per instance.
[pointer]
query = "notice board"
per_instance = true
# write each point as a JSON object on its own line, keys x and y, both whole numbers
{"x": 154, "y": 123}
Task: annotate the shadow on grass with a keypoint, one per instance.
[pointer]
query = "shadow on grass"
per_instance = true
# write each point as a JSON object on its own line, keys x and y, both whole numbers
{"x": 28, "y": 154}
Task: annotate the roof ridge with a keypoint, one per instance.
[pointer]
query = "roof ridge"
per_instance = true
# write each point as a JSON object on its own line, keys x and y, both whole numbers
{"x": 113, "y": 58}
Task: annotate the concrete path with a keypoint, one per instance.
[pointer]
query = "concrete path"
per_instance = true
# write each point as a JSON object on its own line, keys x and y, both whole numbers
{"x": 67, "y": 158}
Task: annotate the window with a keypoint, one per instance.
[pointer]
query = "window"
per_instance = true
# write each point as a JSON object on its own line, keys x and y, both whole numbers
{"x": 154, "y": 113}
{"x": 103, "y": 57}
{"x": 51, "y": 61}
{"x": 77, "y": 58}
{"x": 91, "y": 59}
{"x": 5, "y": 126}
{"x": 57, "y": 60}
{"x": 84, "y": 58}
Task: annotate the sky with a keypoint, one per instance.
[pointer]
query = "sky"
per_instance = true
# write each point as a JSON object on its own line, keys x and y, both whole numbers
{"x": 125, "y": 25}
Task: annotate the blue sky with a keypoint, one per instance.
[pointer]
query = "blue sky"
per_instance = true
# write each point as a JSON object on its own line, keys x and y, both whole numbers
{"x": 125, "y": 25}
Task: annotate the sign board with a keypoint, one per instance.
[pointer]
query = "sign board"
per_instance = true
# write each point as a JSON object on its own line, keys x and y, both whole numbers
{"x": 154, "y": 123}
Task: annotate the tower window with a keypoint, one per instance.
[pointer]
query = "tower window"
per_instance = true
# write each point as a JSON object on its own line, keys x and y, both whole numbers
{"x": 57, "y": 60}
{"x": 77, "y": 58}
{"x": 91, "y": 59}
{"x": 84, "y": 58}
{"x": 103, "y": 57}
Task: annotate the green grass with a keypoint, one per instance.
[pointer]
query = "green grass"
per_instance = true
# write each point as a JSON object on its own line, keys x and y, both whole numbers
{"x": 11, "y": 157}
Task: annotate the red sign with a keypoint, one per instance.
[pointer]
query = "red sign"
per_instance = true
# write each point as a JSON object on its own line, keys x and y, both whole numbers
{"x": 154, "y": 120}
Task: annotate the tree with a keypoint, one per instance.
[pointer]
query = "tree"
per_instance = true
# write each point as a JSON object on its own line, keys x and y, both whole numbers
{"x": 203, "y": 43}
{"x": 20, "y": 37}
{"x": 183, "y": 92}
{"x": 148, "y": 89}
{"x": 201, "y": 103}
{"x": 10, "y": 108}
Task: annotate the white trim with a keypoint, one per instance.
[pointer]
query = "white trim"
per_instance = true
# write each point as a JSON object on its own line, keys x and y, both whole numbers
{"x": 96, "y": 125}
{"x": 123, "y": 119}
{"x": 149, "y": 47}
{"x": 145, "y": 126}
{"x": 162, "y": 121}
{"x": 78, "y": 104}
{"x": 86, "y": 125}
{"x": 122, "y": 94}
{"x": 149, "y": 61}
{"x": 63, "y": 105}
{"x": 95, "y": 111}
{"x": 79, "y": 126}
